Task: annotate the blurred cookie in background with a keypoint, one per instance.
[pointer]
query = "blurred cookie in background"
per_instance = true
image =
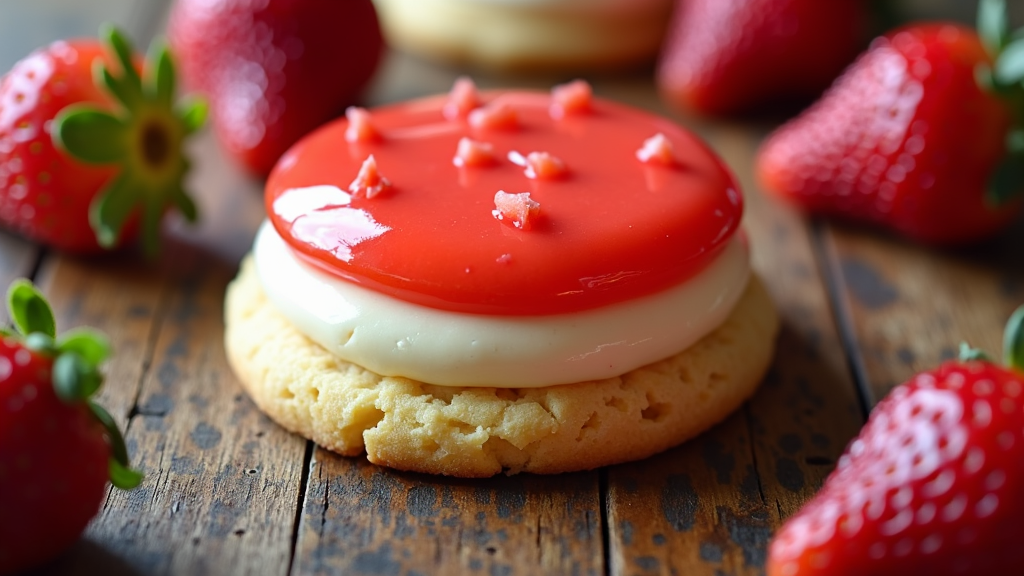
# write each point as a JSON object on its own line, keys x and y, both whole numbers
{"x": 528, "y": 35}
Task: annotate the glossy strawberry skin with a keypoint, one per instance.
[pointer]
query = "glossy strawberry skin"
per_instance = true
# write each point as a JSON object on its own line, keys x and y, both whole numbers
{"x": 44, "y": 193}
{"x": 727, "y": 56}
{"x": 274, "y": 70}
{"x": 906, "y": 139}
{"x": 53, "y": 462}
{"x": 930, "y": 486}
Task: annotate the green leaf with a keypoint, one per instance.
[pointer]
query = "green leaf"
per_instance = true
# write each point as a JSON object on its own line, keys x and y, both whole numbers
{"x": 92, "y": 345}
{"x": 184, "y": 203}
{"x": 123, "y": 477}
{"x": 28, "y": 309}
{"x": 1006, "y": 181}
{"x": 968, "y": 354}
{"x": 91, "y": 135}
{"x": 118, "y": 451}
{"x": 117, "y": 41}
{"x": 111, "y": 208}
{"x": 160, "y": 67}
{"x": 74, "y": 379}
{"x": 42, "y": 343}
{"x": 152, "y": 213}
{"x": 1009, "y": 66}
{"x": 129, "y": 94}
{"x": 992, "y": 25}
{"x": 1013, "y": 340}
{"x": 193, "y": 112}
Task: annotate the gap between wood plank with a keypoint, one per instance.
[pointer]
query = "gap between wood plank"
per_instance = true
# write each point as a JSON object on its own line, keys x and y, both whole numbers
{"x": 602, "y": 504}
{"x": 841, "y": 314}
{"x": 307, "y": 469}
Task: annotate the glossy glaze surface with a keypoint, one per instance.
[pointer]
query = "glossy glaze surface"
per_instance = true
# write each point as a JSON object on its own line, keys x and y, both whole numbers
{"x": 610, "y": 229}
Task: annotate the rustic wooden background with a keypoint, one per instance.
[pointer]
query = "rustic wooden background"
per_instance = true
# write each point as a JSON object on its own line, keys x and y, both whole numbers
{"x": 228, "y": 492}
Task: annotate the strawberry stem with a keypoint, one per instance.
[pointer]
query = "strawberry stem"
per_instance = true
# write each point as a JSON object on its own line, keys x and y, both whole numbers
{"x": 969, "y": 354}
{"x": 142, "y": 136}
{"x": 1013, "y": 341}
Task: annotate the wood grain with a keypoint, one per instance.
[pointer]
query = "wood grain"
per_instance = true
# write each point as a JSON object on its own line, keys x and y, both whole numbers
{"x": 909, "y": 307}
{"x": 360, "y": 519}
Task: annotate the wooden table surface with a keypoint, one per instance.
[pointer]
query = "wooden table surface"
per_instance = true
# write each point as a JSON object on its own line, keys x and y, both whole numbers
{"x": 229, "y": 492}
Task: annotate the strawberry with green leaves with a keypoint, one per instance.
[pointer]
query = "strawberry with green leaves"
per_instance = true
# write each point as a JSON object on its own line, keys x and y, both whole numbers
{"x": 932, "y": 485}
{"x": 58, "y": 448}
{"x": 924, "y": 134}
{"x": 90, "y": 148}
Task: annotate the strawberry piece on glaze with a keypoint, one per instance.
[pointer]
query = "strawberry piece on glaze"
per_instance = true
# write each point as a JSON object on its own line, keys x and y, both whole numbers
{"x": 656, "y": 150}
{"x": 369, "y": 182}
{"x": 515, "y": 209}
{"x": 473, "y": 153}
{"x": 572, "y": 98}
{"x": 494, "y": 116}
{"x": 463, "y": 99}
{"x": 360, "y": 127}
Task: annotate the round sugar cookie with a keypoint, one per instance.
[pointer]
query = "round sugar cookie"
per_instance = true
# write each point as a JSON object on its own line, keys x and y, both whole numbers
{"x": 528, "y": 36}
{"x": 479, "y": 432}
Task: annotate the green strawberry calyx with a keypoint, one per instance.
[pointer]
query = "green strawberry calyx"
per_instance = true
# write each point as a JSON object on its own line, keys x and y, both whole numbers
{"x": 76, "y": 356}
{"x": 1005, "y": 79}
{"x": 143, "y": 136}
{"x": 1013, "y": 344}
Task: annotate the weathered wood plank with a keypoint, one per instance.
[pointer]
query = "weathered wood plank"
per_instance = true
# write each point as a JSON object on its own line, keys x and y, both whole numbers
{"x": 359, "y": 519}
{"x": 710, "y": 506}
{"x": 224, "y": 482}
{"x": 910, "y": 306}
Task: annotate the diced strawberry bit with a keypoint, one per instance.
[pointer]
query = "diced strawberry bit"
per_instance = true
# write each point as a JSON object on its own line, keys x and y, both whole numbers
{"x": 369, "y": 182}
{"x": 541, "y": 165}
{"x": 515, "y": 209}
{"x": 360, "y": 129}
{"x": 473, "y": 153}
{"x": 462, "y": 99}
{"x": 572, "y": 98}
{"x": 498, "y": 116}
{"x": 657, "y": 149}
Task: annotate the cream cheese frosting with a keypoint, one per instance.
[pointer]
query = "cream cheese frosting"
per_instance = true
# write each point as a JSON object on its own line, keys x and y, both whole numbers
{"x": 397, "y": 338}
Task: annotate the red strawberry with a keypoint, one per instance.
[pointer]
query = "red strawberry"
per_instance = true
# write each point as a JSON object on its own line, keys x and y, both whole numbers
{"x": 57, "y": 447}
{"x": 80, "y": 158}
{"x": 726, "y": 56}
{"x": 932, "y": 485}
{"x": 907, "y": 139}
{"x": 274, "y": 69}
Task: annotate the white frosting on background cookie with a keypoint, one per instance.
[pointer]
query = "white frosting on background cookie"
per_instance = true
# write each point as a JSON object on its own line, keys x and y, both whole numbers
{"x": 397, "y": 338}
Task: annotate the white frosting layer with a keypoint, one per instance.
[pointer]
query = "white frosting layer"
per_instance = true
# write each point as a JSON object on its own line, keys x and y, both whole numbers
{"x": 397, "y": 338}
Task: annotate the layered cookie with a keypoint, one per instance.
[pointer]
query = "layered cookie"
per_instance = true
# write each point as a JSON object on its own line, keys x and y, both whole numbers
{"x": 508, "y": 281}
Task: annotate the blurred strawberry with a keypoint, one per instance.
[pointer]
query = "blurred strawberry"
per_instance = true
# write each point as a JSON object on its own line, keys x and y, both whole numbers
{"x": 274, "y": 69}
{"x": 908, "y": 139}
{"x": 88, "y": 147}
{"x": 930, "y": 486}
{"x": 58, "y": 448}
{"x": 727, "y": 56}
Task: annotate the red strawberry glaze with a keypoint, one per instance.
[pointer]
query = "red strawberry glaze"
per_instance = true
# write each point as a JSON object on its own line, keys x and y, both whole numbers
{"x": 610, "y": 229}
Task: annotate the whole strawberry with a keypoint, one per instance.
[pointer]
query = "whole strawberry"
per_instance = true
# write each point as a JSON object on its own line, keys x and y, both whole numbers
{"x": 727, "y": 56}
{"x": 89, "y": 150}
{"x": 57, "y": 447}
{"x": 932, "y": 485}
{"x": 274, "y": 69}
{"x": 908, "y": 139}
